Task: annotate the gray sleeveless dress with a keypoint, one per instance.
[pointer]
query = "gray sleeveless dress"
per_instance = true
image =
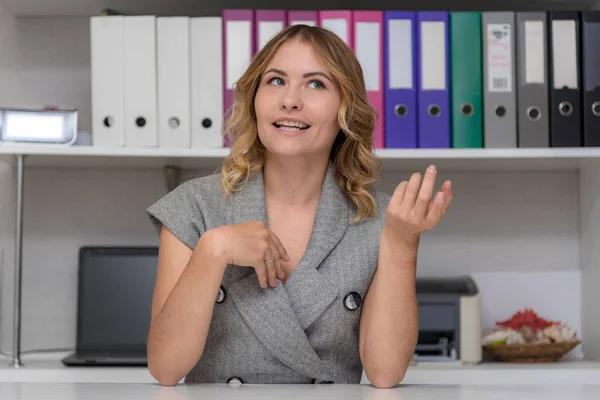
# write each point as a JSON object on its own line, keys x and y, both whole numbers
{"x": 306, "y": 331}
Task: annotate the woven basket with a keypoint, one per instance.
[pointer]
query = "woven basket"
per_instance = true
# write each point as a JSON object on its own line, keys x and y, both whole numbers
{"x": 530, "y": 353}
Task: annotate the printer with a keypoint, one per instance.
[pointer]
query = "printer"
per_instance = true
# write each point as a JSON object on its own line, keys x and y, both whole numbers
{"x": 449, "y": 320}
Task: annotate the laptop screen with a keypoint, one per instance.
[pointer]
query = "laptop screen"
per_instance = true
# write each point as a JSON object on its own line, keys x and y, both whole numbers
{"x": 115, "y": 297}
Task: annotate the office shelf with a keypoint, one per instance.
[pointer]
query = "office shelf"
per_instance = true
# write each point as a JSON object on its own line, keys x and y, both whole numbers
{"x": 520, "y": 159}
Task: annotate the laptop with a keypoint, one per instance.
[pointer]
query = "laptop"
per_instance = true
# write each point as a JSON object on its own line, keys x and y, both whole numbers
{"x": 114, "y": 305}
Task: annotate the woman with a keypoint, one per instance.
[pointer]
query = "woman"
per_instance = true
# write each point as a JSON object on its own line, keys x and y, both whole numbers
{"x": 288, "y": 267}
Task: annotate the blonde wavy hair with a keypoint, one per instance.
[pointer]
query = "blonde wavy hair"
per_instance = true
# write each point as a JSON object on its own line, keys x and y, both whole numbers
{"x": 352, "y": 152}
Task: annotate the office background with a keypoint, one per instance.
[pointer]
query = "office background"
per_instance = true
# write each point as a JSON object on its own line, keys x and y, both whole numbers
{"x": 504, "y": 227}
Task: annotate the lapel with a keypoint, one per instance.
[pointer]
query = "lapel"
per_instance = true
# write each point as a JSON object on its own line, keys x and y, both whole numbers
{"x": 278, "y": 317}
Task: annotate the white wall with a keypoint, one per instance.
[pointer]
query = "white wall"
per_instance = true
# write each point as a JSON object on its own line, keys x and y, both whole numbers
{"x": 45, "y": 62}
{"x": 590, "y": 254}
{"x": 499, "y": 221}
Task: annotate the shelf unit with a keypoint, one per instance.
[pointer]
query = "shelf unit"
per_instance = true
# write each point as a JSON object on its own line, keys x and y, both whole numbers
{"x": 584, "y": 161}
{"x": 534, "y": 159}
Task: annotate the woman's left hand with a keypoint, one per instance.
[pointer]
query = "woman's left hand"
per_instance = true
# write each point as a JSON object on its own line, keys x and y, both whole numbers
{"x": 411, "y": 211}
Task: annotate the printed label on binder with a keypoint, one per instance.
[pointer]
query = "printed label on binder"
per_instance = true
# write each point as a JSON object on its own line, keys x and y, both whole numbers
{"x": 534, "y": 52}
{"x": 499, "y": 58}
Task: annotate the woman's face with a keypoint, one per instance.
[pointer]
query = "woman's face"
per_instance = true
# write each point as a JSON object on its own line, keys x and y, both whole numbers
{"x": 297, "y": 103}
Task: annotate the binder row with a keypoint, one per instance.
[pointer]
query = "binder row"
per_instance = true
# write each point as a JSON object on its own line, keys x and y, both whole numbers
{"x": 437, "y": 79}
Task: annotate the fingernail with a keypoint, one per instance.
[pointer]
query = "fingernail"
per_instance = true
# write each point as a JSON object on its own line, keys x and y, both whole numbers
{"x": 450, "y": 185}
{"x": 431, "y": 168}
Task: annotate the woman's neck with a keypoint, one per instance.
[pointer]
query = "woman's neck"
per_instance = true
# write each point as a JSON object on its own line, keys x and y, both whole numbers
{"x": 295, "y": 182}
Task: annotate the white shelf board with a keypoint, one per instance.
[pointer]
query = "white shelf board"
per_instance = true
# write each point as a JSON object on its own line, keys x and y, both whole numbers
{"x": 520, "y": 159}
{"x": 118, "y": 157}
{"x": 78, "y": 8}
{"x": 48, "y": 368}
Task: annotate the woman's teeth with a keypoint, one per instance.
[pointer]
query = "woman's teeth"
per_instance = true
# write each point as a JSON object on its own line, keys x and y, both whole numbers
{"x": 291, "y": 126}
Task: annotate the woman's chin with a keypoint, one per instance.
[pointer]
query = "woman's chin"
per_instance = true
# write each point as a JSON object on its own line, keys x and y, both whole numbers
{"x": 287, "y": 151}
{"x": 291, "y": 147}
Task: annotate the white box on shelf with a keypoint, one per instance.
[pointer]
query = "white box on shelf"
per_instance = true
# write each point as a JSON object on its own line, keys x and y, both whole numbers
{"x": 206, "y": 37}
{"x": 173, "y": 68}
{"x": 107, "y": 77}
{"x": 139, "y": 49}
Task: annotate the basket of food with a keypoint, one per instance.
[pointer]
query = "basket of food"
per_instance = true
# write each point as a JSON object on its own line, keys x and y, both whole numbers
{"x": 529, "y": 338}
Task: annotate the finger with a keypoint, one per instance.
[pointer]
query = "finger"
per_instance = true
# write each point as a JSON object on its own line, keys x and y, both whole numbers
{"x": 447, "y": 188}
{"x": 270, "y": 258}
{"x": 435, "y": 213}
{"x": 412, "y": 189}
{"x": 398, "y": 195}
{"x": 275, "y": 263}
{"x": 282, "y": 251}
{"x": 281, "y": 255}
{"x": 424, "y": 196}
{"x": 261, "y": 273}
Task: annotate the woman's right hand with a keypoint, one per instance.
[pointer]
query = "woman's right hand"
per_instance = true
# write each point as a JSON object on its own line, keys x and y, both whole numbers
{"x": 252, "y": 244}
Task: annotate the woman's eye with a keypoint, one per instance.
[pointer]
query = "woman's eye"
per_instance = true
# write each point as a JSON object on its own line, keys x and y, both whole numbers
{"x": 317, "y": 84}
{"x": 276, "y": 81}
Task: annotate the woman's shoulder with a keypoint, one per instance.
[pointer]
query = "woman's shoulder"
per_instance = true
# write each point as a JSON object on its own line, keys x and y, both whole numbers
{"x": 374, "y": 222}
{"x": 195, "y": 194}
{"x": 382, "y": 199}
{"x": 201, "y": 188}
{"x": 183, "y": 210}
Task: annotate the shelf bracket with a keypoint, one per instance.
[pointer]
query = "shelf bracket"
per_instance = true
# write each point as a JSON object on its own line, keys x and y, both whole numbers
{"x": 172, "y": 177}
{"x": 18, "y": 278}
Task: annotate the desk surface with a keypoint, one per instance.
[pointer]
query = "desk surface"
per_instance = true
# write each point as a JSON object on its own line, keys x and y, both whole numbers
{"x": 138, "y": 391}
{"x": 47, "y": 368}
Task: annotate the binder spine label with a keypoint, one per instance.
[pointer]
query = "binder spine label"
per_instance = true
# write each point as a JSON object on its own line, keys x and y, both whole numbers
{"x": 564, "y": 49}
{"x": 433, "y": 56}
{"x": 499, "y": 57}
{"x": 267, "y": 30}
{"x": 339, "y": 26}
{"x": 368, "y": 54}
{"x": 400, "y": 52}
{"x": 534, "y": 52}
{"x": 238, "y": 55}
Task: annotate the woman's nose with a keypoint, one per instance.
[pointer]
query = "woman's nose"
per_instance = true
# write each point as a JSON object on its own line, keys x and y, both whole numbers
{"x": 291, "y": 100}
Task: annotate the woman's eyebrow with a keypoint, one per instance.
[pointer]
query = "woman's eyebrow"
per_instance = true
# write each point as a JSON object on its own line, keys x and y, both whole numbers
{"x": 306, "y": 75}
{"x": 311, "y": 74}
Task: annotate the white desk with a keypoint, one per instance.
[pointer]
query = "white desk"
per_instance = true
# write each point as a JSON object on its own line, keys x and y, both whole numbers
{"x": 47, "y": 368}
{"x": 139, "y": 391}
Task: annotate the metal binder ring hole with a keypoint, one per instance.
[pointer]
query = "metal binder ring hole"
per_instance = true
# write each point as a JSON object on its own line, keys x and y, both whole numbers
{"x": 434, "y": 110}
{"x": 596, "y": 109}
{"x": 466, "y": 109}
{"x": 565, "y": 109}
{"x": 174, "y": 122}
{"x": 501, "y": 111}
{"x": 534, "y": 113}
{"x": 108, "y": 121}
{"x": 401, "y": 110}
{"x": 140, "y": 121}
{"x": 206, "y": 122}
